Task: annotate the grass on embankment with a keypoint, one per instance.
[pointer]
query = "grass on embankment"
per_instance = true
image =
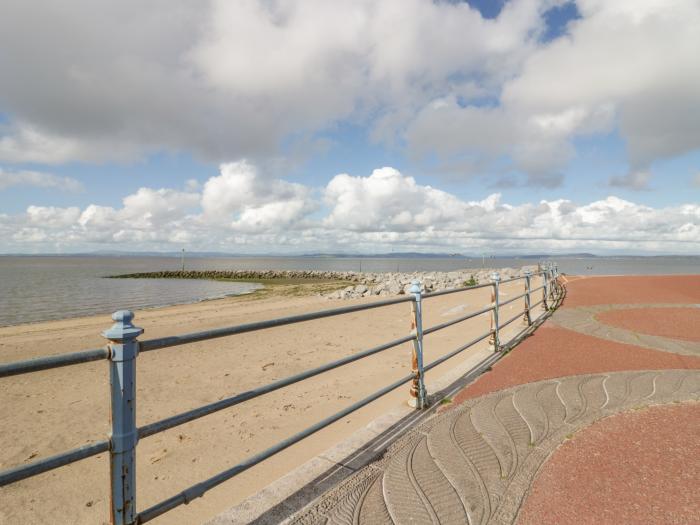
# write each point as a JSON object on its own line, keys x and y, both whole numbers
{"x": 271, "y": 287}
{"x": 291, "y": 287}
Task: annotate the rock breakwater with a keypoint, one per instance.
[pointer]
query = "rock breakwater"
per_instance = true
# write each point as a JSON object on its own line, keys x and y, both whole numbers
{"x": 364, "y": 284}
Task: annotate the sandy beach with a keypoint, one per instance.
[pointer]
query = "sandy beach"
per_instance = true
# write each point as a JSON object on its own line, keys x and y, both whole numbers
{"x": 55, "y": 410}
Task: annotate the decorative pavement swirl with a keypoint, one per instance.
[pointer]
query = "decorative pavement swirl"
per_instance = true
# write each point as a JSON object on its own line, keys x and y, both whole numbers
{"x": 474, "y": 464}
{"x": 584, "y": 320}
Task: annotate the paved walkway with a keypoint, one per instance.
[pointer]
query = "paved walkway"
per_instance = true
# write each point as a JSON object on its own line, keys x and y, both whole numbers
{"x": 597, "y": 321}
{"x": 541, "y": 424}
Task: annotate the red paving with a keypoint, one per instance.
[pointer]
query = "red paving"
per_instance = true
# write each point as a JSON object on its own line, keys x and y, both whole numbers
{"x": 587, "y": 291}
{"x": 555, "y": 352}
{"x": 637, "y": 467}
{"x": 675, "y": 323}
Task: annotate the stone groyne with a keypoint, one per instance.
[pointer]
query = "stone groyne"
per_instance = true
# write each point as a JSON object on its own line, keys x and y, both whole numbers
{"x": 364, "y": 283}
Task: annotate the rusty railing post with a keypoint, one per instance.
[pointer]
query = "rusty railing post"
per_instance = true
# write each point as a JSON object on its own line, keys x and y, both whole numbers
{"x": 552, "y": 282}
{"x": 527, "y": 318}
{"x": 494, "y": 340}
{"x": 122, "y": 378}
{"x": 417, "y": 392}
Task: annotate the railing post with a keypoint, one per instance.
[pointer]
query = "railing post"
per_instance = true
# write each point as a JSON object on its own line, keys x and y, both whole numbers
{"x": 545, "y": 292}
{"x": 494, "y": 340}
{"x": 552, "y": 283}
{"x": 122, "y": 378}
{"x": 527, "y": 318}
{"x": 417, "y": 392}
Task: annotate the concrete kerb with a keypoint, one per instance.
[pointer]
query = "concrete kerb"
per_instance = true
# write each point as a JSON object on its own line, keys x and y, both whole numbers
{"x": 280, "y": 500}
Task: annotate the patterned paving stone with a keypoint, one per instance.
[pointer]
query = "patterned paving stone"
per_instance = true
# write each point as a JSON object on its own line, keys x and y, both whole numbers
{"x": 473, "y": 464}
{"x": 583, "y": 319}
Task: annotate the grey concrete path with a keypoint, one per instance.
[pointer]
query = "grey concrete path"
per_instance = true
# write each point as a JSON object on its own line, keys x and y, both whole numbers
{"x": 474, "y": 463}
{"x": 583, "y": 319}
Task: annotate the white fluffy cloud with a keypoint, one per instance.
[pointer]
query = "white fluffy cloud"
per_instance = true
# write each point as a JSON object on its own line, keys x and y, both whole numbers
{"x": 241, "y": 210}
{"x": 224, "y": 80}
{"x": 241, "y": 198}
{"x": 626, "y": 65}
{"x": 387, "y": 201}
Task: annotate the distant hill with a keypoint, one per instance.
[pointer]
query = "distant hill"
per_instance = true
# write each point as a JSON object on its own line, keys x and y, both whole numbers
{"x": 550, "y": 255}
{"x": 392, "y": 255}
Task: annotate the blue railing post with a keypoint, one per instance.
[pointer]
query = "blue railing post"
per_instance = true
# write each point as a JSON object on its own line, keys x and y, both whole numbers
{"x": 494, "y": 340}
{"x": 123, "y": 349}
{"x": 417, "y": 392}
{"x": 527, "y": 318}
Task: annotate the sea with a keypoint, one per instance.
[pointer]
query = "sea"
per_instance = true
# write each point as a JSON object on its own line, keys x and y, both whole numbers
{"x": 42, "y": 288}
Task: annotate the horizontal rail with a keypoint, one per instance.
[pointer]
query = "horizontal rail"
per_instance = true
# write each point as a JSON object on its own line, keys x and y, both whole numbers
{"x": 21, "y": 472}
{"x": 455, "y": 290}
{"x": 531, "y": 326}
{"x": 457, "y": 351}
{"x": 516, "y": 278}
{"x": 52, "y": 361}
{"x": 503, "y": 303}
{"x": 455, "y": 321}
{"x": 191, "y": 415}
{"x": 199, "y": 489}
{"x": 533, "y": 290}
{"x": 164, "y": 342}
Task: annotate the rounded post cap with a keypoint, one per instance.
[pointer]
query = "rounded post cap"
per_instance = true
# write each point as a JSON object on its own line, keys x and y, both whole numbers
{"x": 527, "y": 273}
{"x": 122, "y": 329}
{"x": 415, "y": 287}
{"x": 495, "y": 277}
{"x": 124, "y": 316}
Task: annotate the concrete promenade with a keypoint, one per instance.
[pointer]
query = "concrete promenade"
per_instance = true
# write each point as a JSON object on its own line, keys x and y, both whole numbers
{"x": 593, "y": 419}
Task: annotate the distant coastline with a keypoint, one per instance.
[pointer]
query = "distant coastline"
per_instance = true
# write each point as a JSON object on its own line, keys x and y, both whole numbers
{"x": 388, "y": 255}
{"x": 345, "y": 255}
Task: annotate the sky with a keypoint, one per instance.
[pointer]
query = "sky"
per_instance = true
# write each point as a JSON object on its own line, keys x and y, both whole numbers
{"x": 290, "y": 127}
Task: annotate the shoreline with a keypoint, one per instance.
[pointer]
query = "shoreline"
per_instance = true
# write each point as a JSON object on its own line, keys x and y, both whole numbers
{"x": 265, "y": 291}
{"x": 331, "y": 285}
{"x": 366, "y": 284}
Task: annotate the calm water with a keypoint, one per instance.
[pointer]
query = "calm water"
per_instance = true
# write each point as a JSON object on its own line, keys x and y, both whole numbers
{"x": 42, "y": 288}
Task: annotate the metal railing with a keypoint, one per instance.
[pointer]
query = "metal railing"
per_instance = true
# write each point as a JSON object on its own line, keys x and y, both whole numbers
{"x": 123, "y": 349}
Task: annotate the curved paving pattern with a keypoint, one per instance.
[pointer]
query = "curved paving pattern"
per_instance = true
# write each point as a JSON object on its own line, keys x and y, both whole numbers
{"x": 473, "y": 464}
{"x": 583, "y": 319}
